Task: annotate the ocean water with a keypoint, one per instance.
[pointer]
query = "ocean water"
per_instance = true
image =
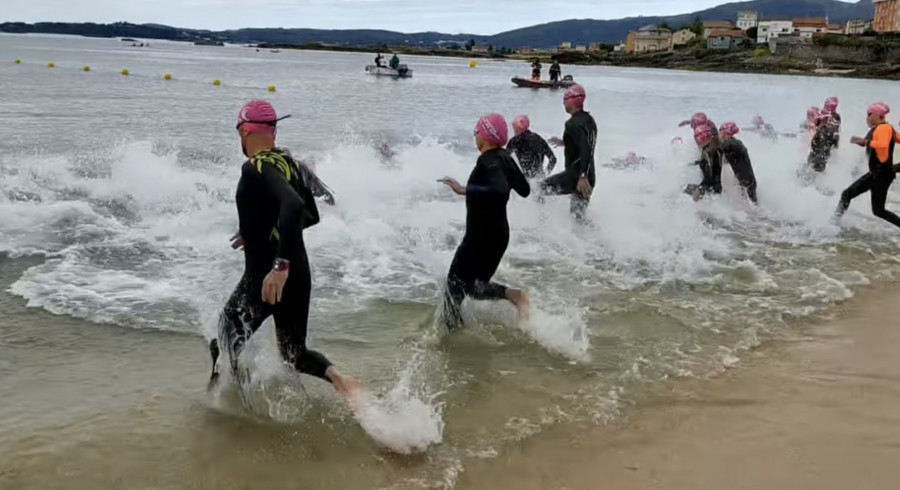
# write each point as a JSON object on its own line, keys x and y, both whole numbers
{"x": 117, "y": 203}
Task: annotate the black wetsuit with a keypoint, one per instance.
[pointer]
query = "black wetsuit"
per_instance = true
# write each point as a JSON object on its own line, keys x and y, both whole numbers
{"x": 530, "y": 149}
{"x": 835, "y": 129}
{"x": 735, "y": 154}
{"x": 877, "y": 181}
{"x": 711, "y": 166}
{"x": 580, "y": 140}
{"x": 554, "y": 72}
{"x": 820, "y": 148}
{"x": 487, "y": 232}
{"x": 273, "y": 214}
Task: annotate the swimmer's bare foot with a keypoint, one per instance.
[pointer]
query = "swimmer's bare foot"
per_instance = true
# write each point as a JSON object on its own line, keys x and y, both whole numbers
{"x": 520, "y": 299}
{"x": 347, "y": 386}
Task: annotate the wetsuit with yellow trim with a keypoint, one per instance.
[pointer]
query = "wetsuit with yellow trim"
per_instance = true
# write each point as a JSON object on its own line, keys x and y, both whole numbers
{"x": 580, "y": 140}
{"x": 487, "y": 232}
{"x": 736, "y": 155}
{"x": 275, "y": 204}
{"x": 880, "y": 144}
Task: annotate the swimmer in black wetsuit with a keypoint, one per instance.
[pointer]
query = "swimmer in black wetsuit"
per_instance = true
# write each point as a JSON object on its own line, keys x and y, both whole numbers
{"x": 580, "y": 140}
{"x": 487, "y": 229}
{"x": 530, "y": 149}
{"x": 880, "y": 144}
{"x": 275, "y": 205}
{"x": 735, "y": 154}
{"x": 710, "y": 164}
{"x": 834, "y": 123}
{"x": 822, "y": 143}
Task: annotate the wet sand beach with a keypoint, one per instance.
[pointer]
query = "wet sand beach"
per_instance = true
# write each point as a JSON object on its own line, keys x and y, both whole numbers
{"x": 817, "y": 413}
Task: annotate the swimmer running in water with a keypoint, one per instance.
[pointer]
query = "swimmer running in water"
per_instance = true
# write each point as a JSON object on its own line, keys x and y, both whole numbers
{"x": 275, "y": 204}
{"x": 580, "y": 141}
{"x": 710, "y": 163}
{"x": 879, "y": 145}
{"x": 822, "y": 143}
{"x": 487, "y": 228}
{"x": 834, "y": 122}
{"x": 735, "y": 154}
{"x": 530, "y": 149}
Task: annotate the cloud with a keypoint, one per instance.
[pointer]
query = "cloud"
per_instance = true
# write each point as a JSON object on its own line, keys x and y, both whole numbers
{"x": 468, "y": 16}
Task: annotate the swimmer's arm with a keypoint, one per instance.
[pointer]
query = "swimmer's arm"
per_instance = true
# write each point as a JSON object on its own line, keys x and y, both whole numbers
{"x": 518, "y": 181}
{"x": 290, "y": 210}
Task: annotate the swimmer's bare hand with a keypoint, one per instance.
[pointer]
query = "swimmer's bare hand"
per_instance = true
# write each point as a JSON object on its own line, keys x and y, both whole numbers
{"x": 697, "y": 194}
{"x": 556, "y": 142}
{"x": 584, "y": 187}
{"x": 237, "y": 241}
{"x": 856, "y": 140}
{"x": 273, "y": 285}
{"x": 453, "y": 184}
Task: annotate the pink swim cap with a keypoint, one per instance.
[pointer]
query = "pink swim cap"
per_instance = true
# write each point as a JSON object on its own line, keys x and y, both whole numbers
{"x": 577, "y": 94}
{"x": 521, "y": 123}
{"x": 492, "y": 129}
{"x": 831, "y": 104}
{"x": 730, "y": 129}
{"x": 677, "y": 139}
{"x": 703, "y": 134}
{"x": 879, "y": 109}
{"x": 759, "y": 121}
{"x": 698, "y": 120}
{"x": 258, "y": 116}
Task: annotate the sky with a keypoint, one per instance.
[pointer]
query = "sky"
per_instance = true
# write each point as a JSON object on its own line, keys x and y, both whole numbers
{"x": 457, "y": 16}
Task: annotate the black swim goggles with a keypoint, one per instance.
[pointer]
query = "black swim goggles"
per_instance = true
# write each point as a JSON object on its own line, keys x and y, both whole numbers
{"x": 265, "y": 123}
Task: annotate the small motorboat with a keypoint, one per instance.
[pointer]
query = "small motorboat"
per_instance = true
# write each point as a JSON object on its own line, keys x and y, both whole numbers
{"x": 402, "y": 71}
{"x": 566, "y": 82}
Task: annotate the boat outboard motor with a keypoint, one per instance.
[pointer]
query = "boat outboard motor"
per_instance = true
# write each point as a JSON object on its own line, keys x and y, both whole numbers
{"x": 402, "y": 69}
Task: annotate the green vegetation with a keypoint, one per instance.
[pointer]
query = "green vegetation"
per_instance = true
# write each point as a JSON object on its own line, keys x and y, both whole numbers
{"x": 761, "y": 52}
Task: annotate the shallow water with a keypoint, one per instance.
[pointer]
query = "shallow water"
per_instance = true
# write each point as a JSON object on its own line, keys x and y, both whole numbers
{"x": 116, "y": 204}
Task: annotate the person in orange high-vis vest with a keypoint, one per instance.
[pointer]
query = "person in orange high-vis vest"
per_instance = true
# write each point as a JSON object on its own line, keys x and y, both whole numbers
{"x": 879, "y": 145}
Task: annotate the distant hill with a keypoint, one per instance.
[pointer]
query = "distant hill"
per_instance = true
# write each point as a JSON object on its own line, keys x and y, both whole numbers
{"x": 576, "y": 31}
{"x": 590, "y": 31}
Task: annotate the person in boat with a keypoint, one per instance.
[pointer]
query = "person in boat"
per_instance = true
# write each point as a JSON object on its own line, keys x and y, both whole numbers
{"x": 487, "y": 229}
{"x": 378, "y": 59}
{"x": 580, "y": 140}
{"x": 530, "y": 149}
{"x": 536, "y": 69}
{"x": 822, "y": 143}
{"x": 710, "y": 163}
{"x": 834, "y": 122}
{"x": 395, "y": 61}
{"x": 735, "y": 154}
{"x": 275, "y": 205}
{"x": 555, "y": 71}
{"x": 879, "y": 145}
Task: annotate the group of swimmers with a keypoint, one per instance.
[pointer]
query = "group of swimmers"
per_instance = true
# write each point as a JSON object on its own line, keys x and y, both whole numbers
{"x": 276, "y": 202}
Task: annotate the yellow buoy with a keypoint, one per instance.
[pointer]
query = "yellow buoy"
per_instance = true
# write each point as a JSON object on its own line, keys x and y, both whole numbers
{"x": 125, "y": 72}
{"x": 18, "y": 62}
{"x": 217, "y": 82}
{"x": 271, "y": 88}
{"x": 473, "y": 64}
{"x": 87, "y": 68}
{"x": 51, "y": 65}
{"x": 168, "y": 76}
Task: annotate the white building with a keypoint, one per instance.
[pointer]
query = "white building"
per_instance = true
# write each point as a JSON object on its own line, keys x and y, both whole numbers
{"x": 770, "y": 29}
{"x": 746, "y": 19}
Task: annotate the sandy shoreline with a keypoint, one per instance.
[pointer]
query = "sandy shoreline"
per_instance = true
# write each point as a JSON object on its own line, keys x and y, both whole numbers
{"x": 822, "y": 413}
